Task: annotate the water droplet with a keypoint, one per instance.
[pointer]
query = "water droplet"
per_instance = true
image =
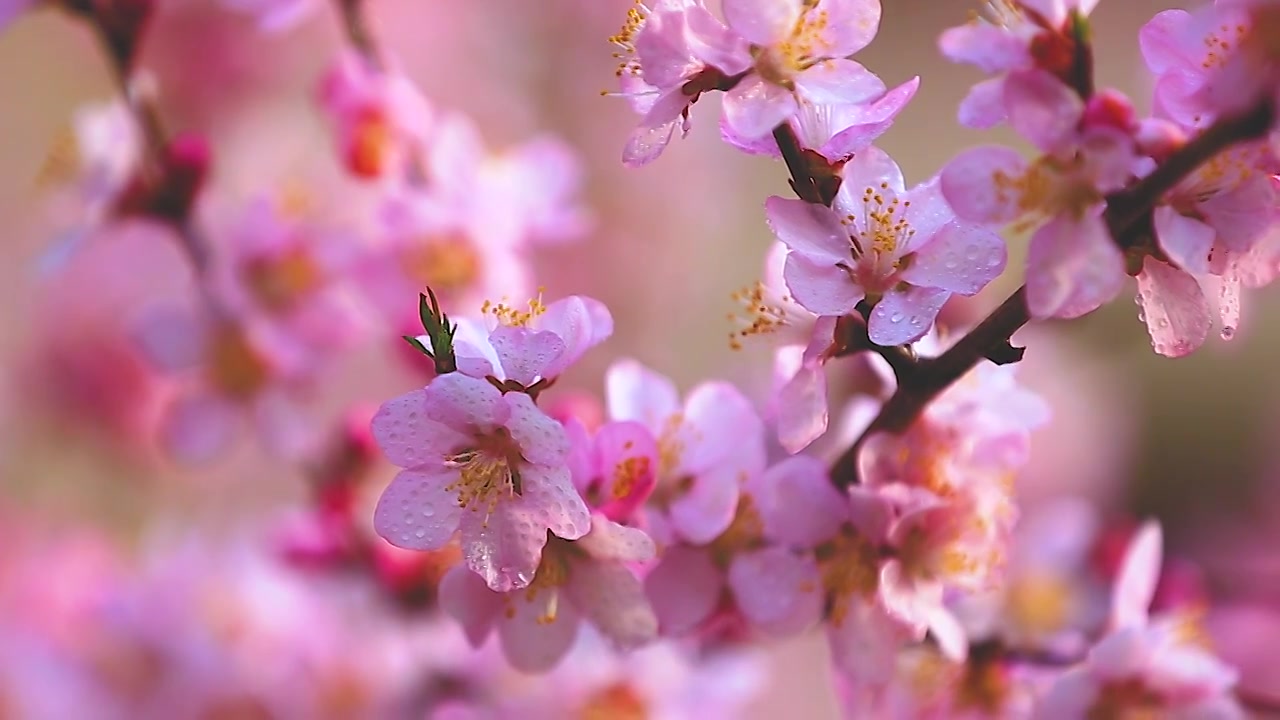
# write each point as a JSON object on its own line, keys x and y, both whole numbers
{"x": 1228, "y": 332}
{"x": 419, "y": 533}
{"x": 1162, "y": 323}
{"x": 896, "y": 318}
{"x": 1142, "y": 316}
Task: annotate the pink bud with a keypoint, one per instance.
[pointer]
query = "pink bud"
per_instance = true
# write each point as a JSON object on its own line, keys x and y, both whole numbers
{"x": 1110, "y": 108}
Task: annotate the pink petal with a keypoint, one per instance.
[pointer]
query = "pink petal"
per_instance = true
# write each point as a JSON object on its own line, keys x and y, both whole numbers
{"x": 1244, "y": 214}
{"x": 798, "y": 503}
{"x": 461, "y": 401}
{"x": 949, "y": 635}
{"x": 197, "y": 428}
{"x": 581, "y": 322}
{"x": 910, "y": 601}
{"x": 663, "y": 52}
{"x": 1073, "y": 267}
{"x": 865, "y": 643}
{"x": 778, "y": 590}
{"x": 850, "y": 26}
{"x": 407, "y": 437}
{"x": 541, "y": 630}
{"x": 471, "y": 346}
{"x": 720, "y": 424}
{"x": 762, "y": 22}
{"x": 813, "y": 230}
{"x": 1137, "y": 577}
{"x": 928, "y": 215}
{"x": 634, "y": 392}
{"x": 170, "y": 338}
{"x": 755, "y": 107}
{"x": 905, "y": 316}
{"x": 1042, "y": 109}
{"x": 871, "y": 168}
{"x": 983, "y": 107}
{"x": 416, "y": 512}
{"x": 1185, "y": 240}
{"x": 1122, "y": 654}
{"x": 504, "y": 547}
{"x": 864, "y": 123}
{"x": 645, "y": 144}
{"x": 684, "y": 589}
{"x": 550, "y": 501}
{"x": 526, "y": 354}
{"x": 1070, "y": 697}
{"x": 839, "y": 81}
{"x": 628, "y": 463}
{"x": 960, "y": 258}
{"x": 802, "y": 408}
{"x": 612, "y": 599}
{"x": 708, "y": 508}
{"x": 991, "y": 48}
{"x": 969, "y": 183}
{"x": 1174, "y": 307}
{"x": 610, "y": 541}
{"x": 1163, "y": 42}
{"x": 714, "y": 43}
{"x": 465, "y": 598}
{"x": 821, "y": 288}
{"x": 542, "y": 440}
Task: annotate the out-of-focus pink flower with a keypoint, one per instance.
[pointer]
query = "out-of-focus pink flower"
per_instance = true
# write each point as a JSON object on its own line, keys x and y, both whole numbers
{"x": 10, "y": 9}
{"x": 274, "y": 15}
{"x": 381, "y": 119}
{"x": 707, "y": 449}
{"x": 902, "y": 251}
{"x": 1014, "y": 36}
{"x": 488, "y": 464}
{"x": 587, "y": 579}
{"x": 671, "y": 53}
{"x": 1157, "y": 665}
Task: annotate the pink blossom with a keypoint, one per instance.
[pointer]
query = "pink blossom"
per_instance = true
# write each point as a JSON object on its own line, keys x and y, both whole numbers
{"x": 583, "y": 579}
{"x": 380, "y": 118}
{"x": 798, "y": 50}
{"x": 671, "y": 53}
{"x": 1014, "y": 36}
{"x": 1145, "y": 664}
{"x": 227, "y": 367}
{"x": 903, "y": 252}
{"x": 835, "y": 131}
{"x": 615, "y": 468}
{"x": 487, "y": 464}
{"x": 525, "y": 347}
{"x": 707, "y": 449}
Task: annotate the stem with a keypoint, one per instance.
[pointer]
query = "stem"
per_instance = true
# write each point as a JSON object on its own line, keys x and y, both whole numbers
{"x": 357, "y": 29}
{"x": 147, "y": 115}
{"x": 1127, "y": 214}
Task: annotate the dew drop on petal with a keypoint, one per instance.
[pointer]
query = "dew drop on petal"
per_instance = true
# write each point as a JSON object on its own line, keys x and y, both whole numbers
{"x": 1228, "y": 332}
{"x": 896, "y": 318}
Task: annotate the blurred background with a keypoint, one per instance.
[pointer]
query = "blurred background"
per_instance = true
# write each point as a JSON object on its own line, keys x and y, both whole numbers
{"x": 1191, "y": 441}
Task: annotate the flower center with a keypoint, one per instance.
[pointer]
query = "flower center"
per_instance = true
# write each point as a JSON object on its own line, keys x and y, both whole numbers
{"x": 372, "y": 142}
{"x": 552, "y": 575}
{"x": 488, "y": 472}
{"x": 802, "y": 49}
{"x": 625, "y": 40}
{"x": 1221, "y": 43}
{"x": 512, "y": 315}
{"x": 744, "y": 533}
{"x": 234, "y": 366}
{"x": 618, "y": 701}
{"x": 885, "y": 229}
{"x": 447, "y": 264}
{"x": 279, "y": 282}
{"x": 1049, "y": 187}
{"x": 1039, "y": 602}
{"x": 1126, "y": 700}
{"x": 850, "y": 568}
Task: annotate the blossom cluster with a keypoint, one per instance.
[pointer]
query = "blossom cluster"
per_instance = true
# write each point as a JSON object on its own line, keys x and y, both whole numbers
{"x": 627, "y": 547}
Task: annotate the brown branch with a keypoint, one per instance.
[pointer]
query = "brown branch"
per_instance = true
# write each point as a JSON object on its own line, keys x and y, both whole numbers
{"x": 1127, "y": 216}
{"x": 356, "y": 27}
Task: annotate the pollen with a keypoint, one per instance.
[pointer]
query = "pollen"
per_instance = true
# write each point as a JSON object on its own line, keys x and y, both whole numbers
{"x": 62, "y": 161}
{"x": 625, "y": 40}
{"x": 235, "y": 366}
{"x": 805, "y": 47}
{"x": 447, "y": 263}
{"x": 850, "y": 569}
{"x": 513, "y": 316}
{"x": 488, "y": 472}
{"x": 627, "y": 475}
{"x": 1039, "y": 602}
{"x": 281, "y": 281}
{"x": 759, "y": 317}
{"x": 885, "y": 229}
{"x": 551, "y": 576}
{"x": 1220, "y": 44}
{"x": 744, "y": 533}
{"x": 619, "y": 701}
